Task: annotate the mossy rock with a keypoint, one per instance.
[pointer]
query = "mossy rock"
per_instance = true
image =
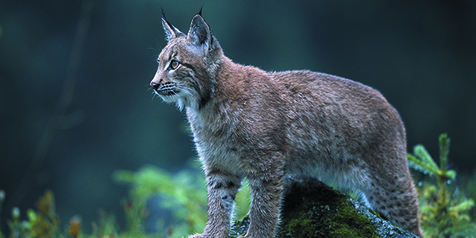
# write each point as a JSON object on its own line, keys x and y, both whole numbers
{"x": 314, "y": 209}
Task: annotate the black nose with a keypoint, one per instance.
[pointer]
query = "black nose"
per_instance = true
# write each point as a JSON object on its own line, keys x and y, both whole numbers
{"x": 154, "y": 85}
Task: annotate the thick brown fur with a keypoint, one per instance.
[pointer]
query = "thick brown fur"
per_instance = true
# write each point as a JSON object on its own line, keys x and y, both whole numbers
{"x": 266, "y": 125}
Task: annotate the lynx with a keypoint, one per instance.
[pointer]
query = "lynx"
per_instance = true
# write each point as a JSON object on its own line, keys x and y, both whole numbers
{"x": 268, "y": 125}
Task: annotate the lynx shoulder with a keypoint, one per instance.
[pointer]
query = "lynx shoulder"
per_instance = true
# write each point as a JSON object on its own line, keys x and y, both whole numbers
{"x": 267, "y": 125}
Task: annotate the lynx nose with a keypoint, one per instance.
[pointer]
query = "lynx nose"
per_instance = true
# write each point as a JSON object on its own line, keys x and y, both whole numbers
{"x": 154, "y": 85}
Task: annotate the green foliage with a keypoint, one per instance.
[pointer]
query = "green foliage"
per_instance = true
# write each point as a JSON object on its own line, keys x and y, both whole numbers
{"x": 467, "y": 185}
{"x": 442, "y": 214}
{"x": 41, "y": 223}
{"x": 183, "y": 193}
{"x": 243, "y": 201}
{"x": 424, "y": 162}
{"x": 44, "y": 223}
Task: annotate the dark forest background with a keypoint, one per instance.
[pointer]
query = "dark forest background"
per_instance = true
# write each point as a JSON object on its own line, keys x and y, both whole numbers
{"x": 420, "y": 54}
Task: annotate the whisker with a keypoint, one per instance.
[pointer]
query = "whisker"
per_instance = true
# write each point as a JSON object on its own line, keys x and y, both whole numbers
{"x": 154, "y": 95}
{"x": 156, "y": 51}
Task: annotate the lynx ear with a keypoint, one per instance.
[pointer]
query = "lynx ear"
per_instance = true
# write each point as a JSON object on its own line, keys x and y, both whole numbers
{"x": 200, "y": 32}
{"x": 170, "y": 31}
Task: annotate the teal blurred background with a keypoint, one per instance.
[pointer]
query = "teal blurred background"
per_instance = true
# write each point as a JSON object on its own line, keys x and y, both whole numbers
{"x": 420, "y": 54}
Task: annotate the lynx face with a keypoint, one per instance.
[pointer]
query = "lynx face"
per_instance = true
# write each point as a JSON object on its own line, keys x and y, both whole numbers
{"x": 187, "y": 67}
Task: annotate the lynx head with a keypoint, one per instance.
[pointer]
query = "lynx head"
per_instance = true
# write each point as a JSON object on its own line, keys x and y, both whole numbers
{"x": 188, "y": 65}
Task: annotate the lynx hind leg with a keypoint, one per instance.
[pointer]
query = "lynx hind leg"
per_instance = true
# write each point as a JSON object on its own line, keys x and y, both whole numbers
{"x": 397, "y": 198}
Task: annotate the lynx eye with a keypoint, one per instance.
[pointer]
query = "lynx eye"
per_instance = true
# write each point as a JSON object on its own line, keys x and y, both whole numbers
{"x": 174, "y": 64}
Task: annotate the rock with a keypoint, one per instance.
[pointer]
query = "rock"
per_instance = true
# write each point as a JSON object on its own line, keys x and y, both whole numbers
{"x": 314, "y": 209}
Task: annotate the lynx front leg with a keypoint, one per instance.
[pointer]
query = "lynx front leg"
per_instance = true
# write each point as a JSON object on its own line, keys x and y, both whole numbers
{"x": 265, "y": 207}
{"x": 222, "y": 190}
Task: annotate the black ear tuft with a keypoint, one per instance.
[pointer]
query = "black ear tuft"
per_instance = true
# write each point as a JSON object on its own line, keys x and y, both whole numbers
{"x": 163, "y": 13}
{"x": 200, "y": 12}
{"x": 164, "y": 19}
{"x": 170, "y": 31}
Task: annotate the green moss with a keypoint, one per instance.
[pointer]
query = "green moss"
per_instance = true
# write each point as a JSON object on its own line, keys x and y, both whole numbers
{"x": 302, "y": 224}
{"x": 374, "y": 213}
{"x": 314, "y": 209}
{"x": 351, "y": 221}
{"x": 329, "y": 214}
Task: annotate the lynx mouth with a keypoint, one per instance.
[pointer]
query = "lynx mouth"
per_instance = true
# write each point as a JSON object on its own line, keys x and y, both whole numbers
{"x": 166, "y": 92}
{"x": 168, "y": 89}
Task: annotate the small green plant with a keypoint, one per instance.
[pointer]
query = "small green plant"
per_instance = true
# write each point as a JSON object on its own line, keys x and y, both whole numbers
{"x": 442, "y": 214}
{"x": 181, "y": 193}
{"x": 41, "y": 223}
{"x": 467, "y": 184}
{"x": 184, "y": 194}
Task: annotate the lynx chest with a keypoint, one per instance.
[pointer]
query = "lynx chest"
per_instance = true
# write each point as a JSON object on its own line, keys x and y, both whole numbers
{"x": 217, "y": 141}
